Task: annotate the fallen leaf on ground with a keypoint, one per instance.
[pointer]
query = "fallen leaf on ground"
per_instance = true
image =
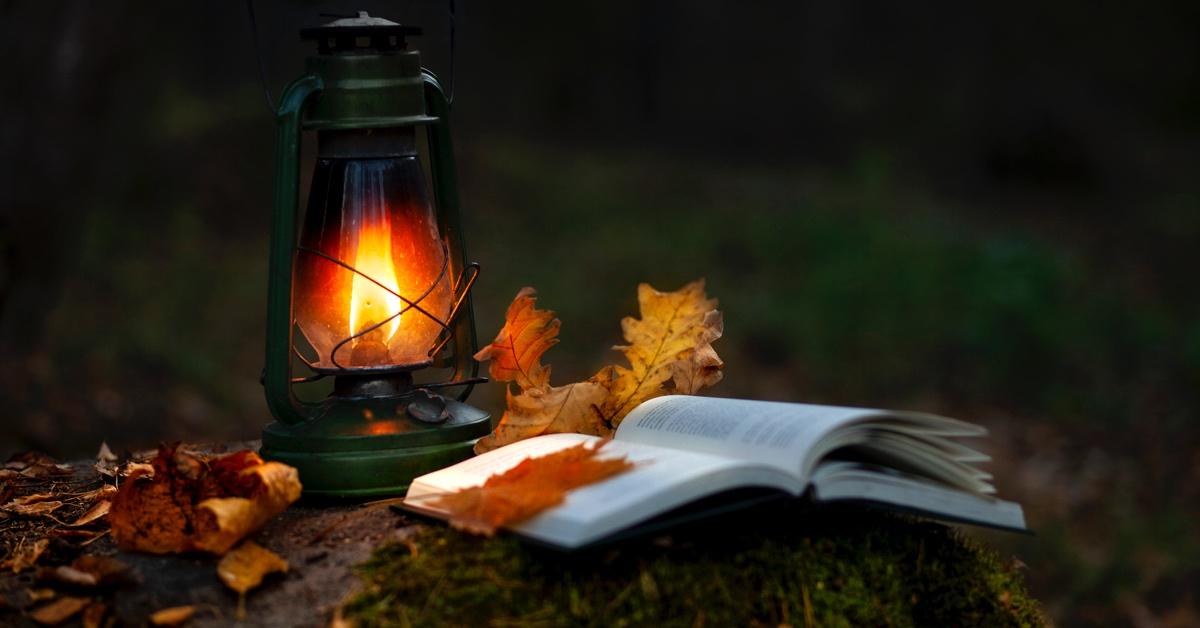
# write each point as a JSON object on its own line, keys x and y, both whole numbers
{"x": 223, "y": 521}
{"x": 530, "y": 487}
{"x": 25, "y": 555}
{"x": 92, "y": 571}
{"x": 59, "y": 610}
{"x": 36, "y": 464}
{"x": 194, "y": 503}
{"x": 244, "y": 568}
{"x": 35, "y": 509}
{"x": 93, "y": 615}
{"x": 105, "y": 454}
{"x": 98, "y": 510}
{"x": 669, "y": 352}
{"x": 32, "y": 498}
{"x": 41, "y": 595}
{"x": 172, "y": 616}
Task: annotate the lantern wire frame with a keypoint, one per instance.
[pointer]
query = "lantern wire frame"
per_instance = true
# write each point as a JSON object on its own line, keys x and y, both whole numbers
{"x": 461, "y": 288}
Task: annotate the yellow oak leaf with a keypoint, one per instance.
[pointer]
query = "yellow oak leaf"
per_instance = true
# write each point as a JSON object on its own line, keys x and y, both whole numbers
{"x": 670, "y": 343}
{"x": 527, "y": 333}
{"x": 669, "y": 352}
{"x": 530, "y": 487}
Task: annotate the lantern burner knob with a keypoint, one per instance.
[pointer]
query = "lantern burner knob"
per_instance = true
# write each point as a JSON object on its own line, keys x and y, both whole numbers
{"x": 360, "y": 34}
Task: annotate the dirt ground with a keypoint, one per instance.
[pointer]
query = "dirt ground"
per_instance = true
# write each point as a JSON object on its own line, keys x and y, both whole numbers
{"x": 322, "y": 542}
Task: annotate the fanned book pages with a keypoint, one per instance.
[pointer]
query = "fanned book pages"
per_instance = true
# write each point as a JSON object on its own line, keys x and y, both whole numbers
{"x": 686, "y": 449}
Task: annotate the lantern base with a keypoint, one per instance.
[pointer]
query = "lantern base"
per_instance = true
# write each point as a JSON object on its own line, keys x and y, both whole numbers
{"x": 369, "y": 449}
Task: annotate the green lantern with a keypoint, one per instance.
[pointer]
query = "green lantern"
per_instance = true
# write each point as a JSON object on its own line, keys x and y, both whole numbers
{"x": 370, "y": 288}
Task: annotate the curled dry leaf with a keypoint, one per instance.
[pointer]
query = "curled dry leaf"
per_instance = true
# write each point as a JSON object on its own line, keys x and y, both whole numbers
{"x": 59, "y": 610}
{"x": 33, "y": 510}
{"x": 223, "y": 521}
{"x": 98, "y": 510}
{"x": 172, "y": 616}
{"x": 192, "y": 503}
{"x": 528, "y": 488}
{"x": 669, "y": 352}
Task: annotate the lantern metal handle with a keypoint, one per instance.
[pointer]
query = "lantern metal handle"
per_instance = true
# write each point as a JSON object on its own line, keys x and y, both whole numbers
{"x": 277, "y": 371}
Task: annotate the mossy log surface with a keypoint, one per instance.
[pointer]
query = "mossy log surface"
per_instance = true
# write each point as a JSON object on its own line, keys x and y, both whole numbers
{"x": 788, "y": 565}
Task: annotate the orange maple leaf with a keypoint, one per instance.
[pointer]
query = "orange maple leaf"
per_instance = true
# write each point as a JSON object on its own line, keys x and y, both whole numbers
{"x": 527, "y": 333}
{"x": 523, "y": 491}
{"x": 669, "y": 352}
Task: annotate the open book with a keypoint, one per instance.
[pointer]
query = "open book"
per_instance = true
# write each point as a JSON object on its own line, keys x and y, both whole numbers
{"x": 688, "y": 448}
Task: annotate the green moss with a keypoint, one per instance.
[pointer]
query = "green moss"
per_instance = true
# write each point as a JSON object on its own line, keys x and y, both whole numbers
{"x": 827, "y": 567}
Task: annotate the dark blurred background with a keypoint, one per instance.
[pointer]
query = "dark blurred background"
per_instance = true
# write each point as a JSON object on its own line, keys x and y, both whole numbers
{"x": 985, "y": 210}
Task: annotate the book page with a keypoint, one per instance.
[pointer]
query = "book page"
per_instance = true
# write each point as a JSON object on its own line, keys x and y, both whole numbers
{"x": 784, "y": 435}
{"x": 835, "y": 481}
{"x": 660, "y": 480}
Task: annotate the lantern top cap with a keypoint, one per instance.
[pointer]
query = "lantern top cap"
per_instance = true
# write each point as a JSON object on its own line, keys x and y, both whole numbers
{"x": 359, "y": 33}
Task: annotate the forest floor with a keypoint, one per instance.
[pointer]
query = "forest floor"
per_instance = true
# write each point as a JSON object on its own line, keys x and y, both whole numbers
{"x": 379, "y": 567}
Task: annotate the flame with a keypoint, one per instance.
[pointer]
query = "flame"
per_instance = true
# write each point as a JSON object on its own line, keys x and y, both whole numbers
{"x": 369, "y": 303}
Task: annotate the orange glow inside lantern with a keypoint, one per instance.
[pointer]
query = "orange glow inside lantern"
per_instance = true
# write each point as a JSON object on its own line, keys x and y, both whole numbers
{"x": 373, "y": 286}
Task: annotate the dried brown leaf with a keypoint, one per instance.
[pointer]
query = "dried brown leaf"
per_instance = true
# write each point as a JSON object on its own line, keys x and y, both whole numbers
{"x": 36, "y": 464}
{"x": 32, "y": 498}
{"x": 570, "y": 408}
{"x": 25, "y": 555}
{"x": 172, "y": 616}
{"x": 528, "y": 488}
{"x": 93, "y": 615}
{"x": 136, "y": 468}
{"x": 105, "y": 454}
{"x": 244, "y": 568}
{"x": 194, "y": 504}
{"x": 221, "y": 522}
{"x": 59, "y": 610}
{"x": 92, "y": 571}
{"x": 41, "y": 595}
{"x": 72, "y": 576}
{"x": 37, "y": 509}
{"x": 98, "y": 510}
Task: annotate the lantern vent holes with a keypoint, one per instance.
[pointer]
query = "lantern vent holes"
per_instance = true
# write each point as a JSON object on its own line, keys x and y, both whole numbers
{"x": 361, "y": 34}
